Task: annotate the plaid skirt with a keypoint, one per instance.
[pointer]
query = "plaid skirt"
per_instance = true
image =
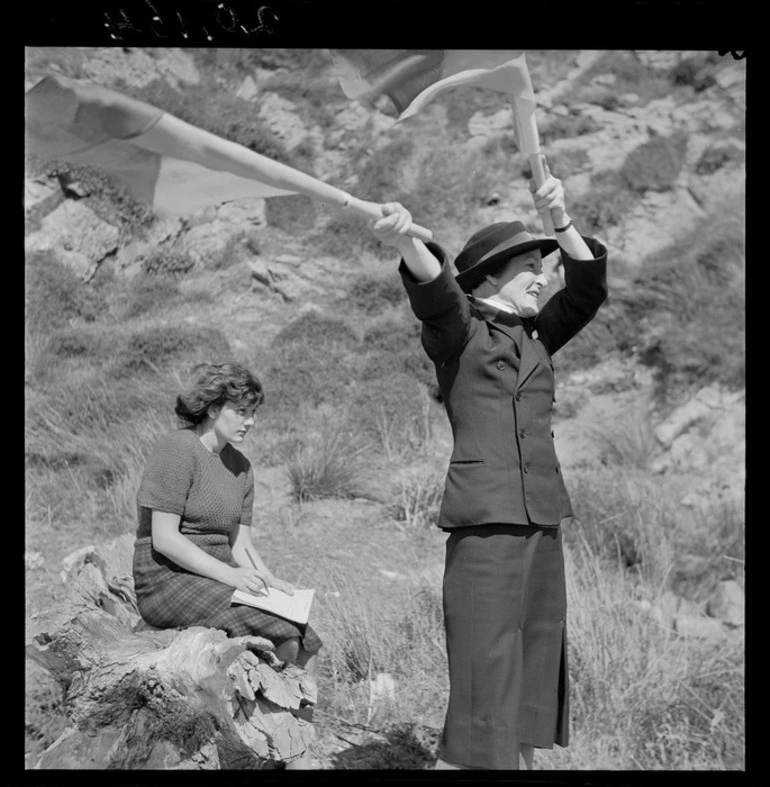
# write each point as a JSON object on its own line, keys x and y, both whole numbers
{"x": 169, "y": 596}
{"x": 505, "y": 610}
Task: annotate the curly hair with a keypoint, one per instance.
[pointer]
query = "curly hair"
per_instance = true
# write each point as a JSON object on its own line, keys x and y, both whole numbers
{"x": 213, "y": 384}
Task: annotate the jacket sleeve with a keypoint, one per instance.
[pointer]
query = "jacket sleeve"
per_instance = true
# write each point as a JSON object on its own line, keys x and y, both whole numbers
{"x": 441, "y": 306}
{"x": 576, "y": 304}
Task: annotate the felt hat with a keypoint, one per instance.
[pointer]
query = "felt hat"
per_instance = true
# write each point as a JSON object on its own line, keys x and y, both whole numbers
{"x": 493, "y": 245}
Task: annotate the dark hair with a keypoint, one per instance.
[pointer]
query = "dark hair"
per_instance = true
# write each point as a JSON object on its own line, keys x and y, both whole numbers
{"x": 213, "y": 384}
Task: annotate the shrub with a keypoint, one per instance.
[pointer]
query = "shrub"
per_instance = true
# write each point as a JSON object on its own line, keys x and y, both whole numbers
{"x": 331, "y": 464}
{"x": 627, "y": 444}
{"x": 347, "y": 237}
{"x": 569, "y": 127}
{"x": 624, "y": 519}
{"x": 418, "y": 501}
{"x": 605, "y": 205}
{"x": 374, "y": 292}
{"x": 690, "y": 300}
{"x": 717, "y": 156}
{"x": 168, "y": 262}
{"x": 79, "y": 343}
{"x": 313, "y": 329}
{"x": 155, "y": 348}
{"x": 394, "y": 410}
{"x": 655, "y": 165}
{"x": 297, "y": 374}
{"x": 55, "y": 296}
{"x": 107, "y": 197}
{"x": 631, "y": 76}
{"x": 392, "y": 335}
{"x": 293, "y": 213}
{"x": 149, "y": 293}
{"x": 697, "y": 72}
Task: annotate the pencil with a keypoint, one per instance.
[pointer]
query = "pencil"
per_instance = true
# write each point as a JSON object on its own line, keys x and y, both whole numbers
{"x": 248, "y": 554}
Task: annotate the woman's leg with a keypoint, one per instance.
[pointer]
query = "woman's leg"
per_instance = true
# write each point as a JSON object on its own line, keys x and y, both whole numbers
{"x": 527, "y": 752}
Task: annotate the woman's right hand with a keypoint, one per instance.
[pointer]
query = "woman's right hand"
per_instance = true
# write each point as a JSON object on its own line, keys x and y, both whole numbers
{"x": 396, "y": 221}
{"x": 249, "y": 580}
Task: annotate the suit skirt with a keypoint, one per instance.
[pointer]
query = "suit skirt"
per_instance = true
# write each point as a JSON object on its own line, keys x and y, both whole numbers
{"x": 168, "y": 596}
{"x": 505, "y": 611}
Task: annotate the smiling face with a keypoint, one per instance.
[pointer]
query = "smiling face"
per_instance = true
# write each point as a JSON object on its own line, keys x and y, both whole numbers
{"x": 518, "y": 283}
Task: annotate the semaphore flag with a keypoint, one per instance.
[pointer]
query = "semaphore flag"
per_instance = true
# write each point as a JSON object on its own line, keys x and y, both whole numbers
{"x": 411, "y": 78}
{"x": 173, "y": 166}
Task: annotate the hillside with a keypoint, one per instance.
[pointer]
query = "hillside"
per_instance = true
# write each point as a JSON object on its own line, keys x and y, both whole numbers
{"x": 351, "y": 443}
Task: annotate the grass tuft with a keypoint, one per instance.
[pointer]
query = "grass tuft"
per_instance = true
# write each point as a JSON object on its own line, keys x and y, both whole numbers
{"x": 330, "y": 464}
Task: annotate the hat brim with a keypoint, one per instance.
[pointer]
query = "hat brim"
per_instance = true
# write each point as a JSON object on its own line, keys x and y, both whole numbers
{"x": 469, "y": 278}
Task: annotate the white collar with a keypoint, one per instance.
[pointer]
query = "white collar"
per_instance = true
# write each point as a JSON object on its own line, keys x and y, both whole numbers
{"x": 503, "y": 307}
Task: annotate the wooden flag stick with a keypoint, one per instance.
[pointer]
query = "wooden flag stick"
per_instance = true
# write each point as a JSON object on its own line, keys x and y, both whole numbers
{"x": 373, "y": 210}
{"x": 529, "y": 143}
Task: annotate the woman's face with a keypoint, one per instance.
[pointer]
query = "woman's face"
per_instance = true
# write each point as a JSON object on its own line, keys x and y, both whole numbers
{"x": 519, "y": 282}
{"x": 233, "y": 420}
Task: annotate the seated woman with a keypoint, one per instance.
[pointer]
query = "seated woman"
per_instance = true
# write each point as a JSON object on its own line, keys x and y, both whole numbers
{"x": 193, "y": 546}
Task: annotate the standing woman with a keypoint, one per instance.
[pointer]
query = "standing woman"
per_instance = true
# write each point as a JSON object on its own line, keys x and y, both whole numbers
{"x": 193, "y": 545}
{"x": 504, "y": 498}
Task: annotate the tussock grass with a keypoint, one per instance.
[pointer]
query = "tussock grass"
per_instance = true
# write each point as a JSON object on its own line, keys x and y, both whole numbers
{"x": 330, "y": 464}
{"x": 418, "y": 500}
{"x": 651, "y": 699}
{"x": 395, "y": 411}
{"x": 626, "y": 520}
{"x": 395, "y": 629}
{"x": 55, "y": 297}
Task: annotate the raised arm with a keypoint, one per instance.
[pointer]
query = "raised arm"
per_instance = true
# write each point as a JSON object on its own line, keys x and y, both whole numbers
{"x": 550, "y": 197}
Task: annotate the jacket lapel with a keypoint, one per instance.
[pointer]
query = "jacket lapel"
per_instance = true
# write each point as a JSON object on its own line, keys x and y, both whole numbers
{"x": 513, "y": 327}
{"x": 530, "y": 358}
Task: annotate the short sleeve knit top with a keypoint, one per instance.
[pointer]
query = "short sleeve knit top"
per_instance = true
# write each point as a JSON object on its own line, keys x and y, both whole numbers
{"x": 212, "y": 493}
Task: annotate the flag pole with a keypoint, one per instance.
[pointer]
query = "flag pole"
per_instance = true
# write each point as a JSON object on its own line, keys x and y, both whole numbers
{"x": 529, "y": 143}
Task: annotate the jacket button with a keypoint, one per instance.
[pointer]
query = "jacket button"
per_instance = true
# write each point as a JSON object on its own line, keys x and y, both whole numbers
{"x": 526, "y": 467}
{"x": 522, "y": 434}
{"x": 517, "y": 397}
{"x": 501, "y": 364}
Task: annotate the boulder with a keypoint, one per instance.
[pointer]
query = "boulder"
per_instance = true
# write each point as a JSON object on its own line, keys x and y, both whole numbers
{"x": 80, "y": 239}
{"x": 727, "y": 603}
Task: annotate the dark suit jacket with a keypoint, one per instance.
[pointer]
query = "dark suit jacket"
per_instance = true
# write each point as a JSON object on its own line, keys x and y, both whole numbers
{"x": 496, "y": 377}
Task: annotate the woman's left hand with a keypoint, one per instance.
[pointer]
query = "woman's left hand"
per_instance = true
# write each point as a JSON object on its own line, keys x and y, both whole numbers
{"x": 280, "y": 584}
{"x": 549, "y": 196}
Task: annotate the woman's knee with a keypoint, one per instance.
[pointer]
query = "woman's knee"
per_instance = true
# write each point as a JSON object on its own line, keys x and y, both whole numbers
{"x": 288, "y": 650}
